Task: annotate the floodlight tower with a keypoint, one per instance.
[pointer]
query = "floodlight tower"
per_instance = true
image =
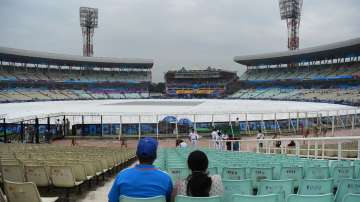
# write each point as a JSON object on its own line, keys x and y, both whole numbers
{"x": 88, "y": 22}
{"x": 290, "y": 10}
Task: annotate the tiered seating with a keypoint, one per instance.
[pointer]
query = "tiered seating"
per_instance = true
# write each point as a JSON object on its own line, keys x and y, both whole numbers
{"x": 24, "y": 95}
{"x": 346, "y": 95}
{"x": 59, "y": 75}
{"x": 301, "y": 73}
{"x": 58, "y": 166}
{"x": 290, "y": 178}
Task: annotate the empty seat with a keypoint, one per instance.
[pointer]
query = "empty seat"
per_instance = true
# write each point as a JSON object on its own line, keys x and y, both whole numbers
{"x": 24, "y": 192}
{"x": 317, "y": 172}
{"x": 63, "y": 176}
{"x": 347, "y": 186}
{"x": 315, "y": 186}
{"x": 233, "y": 173}
{"x": 311, "y": 198}
{"x": 282, "y": 187}
{"x": 293, "y": 173}
{"x": 38, "y": 175}
{"x": 342, "y": 172}
{"x": 247, "y": 198}
{"x": 14, "y": 173}
{"x": 258, "y": 174}
{"x": 178, "y": 173}
{"x": 351, "y": 198}
{"x": 243, "y": 187}
{"x": 150, "y": 199}
{"x": 180, "y": 198}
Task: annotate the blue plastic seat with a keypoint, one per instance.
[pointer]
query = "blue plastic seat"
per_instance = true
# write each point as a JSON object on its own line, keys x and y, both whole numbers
{"x": 247, "y": 198}
{"x": 282, "y": 187}
{"x": 311, "y": 198}
{"x": 180, "y": 198}
{"x": 347, "y": 186}
{"x": 233, "y": 173}
{"x": 150, "y": 199}
{"x": 315, "y": 186}
{"x": 351, "y": 198}
{"x": 243, "y": 187}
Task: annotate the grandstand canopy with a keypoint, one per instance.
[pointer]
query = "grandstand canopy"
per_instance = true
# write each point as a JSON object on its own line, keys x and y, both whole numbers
{"x": 344, "y": 49}
{"x": 45, "y": 58}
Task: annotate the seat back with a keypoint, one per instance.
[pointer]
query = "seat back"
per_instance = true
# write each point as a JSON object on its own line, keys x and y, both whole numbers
{"x": 62, "y": 176}
{"x": 293, "y": 173}
{"x": 21, "y": 192}
{"x": 317, "y": 172}
{"x": 79, "y": 171}
{"x": 342, "y": 172}
{"x": 213, "y": 170}
{"x": 150, "y": 199}
{"x": 231, "y": 187}
{"x": 351, "y": 198}
{"x": 259, "y": 174}
{"x": 178, "y": 173}
{"x": 311, "y": 198}
{"x": 233, "y": 173}
{"x": 282, "y": 187}
{"x": 262, "y": 198}
{"x": 315, "y": 186}
{"x": 180, "y": 198}
{"x": 37, "y": 174}
{"x": 13, "y": 173}
{"x": 347, "y": 186}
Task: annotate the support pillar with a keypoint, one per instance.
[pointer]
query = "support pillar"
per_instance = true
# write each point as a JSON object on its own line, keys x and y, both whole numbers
{"x": 333, "y": 126}
{"x": 64, "y": 126}
{"x": 139, "y": 129}
{"x": 120, "y": 128}
{"x": 22, "y": 131}
{"x": 4, "y": 127}
{"x": 37, "y": 130}
{"x": 47, "y": 135}
{"x": 101, "y": 125}
{"x": 82, "y": 125}
{"x": 157, "y": 127}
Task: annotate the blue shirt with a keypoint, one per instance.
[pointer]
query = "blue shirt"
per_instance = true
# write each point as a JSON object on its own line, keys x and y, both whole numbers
{"x": 142, "y": 181}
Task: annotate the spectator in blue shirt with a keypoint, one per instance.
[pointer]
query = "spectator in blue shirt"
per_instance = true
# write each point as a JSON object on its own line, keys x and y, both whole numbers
{"x": 144, "y": 180}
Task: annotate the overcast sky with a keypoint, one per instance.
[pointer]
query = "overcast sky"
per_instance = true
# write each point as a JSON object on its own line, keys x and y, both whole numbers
{"x": 174, "y": 33}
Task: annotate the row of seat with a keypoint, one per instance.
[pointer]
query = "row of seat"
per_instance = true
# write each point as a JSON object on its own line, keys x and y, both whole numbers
{"x": 260, "y": 174}
{"x": 59, "y": 166}
{"x": 232, "y": 166}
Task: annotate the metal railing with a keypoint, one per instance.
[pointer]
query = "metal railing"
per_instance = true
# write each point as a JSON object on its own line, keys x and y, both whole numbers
{"x": 313, "y": 147}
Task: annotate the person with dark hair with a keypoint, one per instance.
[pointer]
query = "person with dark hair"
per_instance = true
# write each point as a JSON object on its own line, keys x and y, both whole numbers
{"x": 144, "y": 180}
{"x": 199, "y": 183}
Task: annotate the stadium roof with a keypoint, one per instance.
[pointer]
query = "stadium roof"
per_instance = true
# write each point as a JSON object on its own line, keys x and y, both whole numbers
{"x": 37, "y": 57}
{"x": 344, "y": 49}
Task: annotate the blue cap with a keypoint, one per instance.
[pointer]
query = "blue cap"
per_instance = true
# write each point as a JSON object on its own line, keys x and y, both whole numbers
{"x": 147, "y": 147}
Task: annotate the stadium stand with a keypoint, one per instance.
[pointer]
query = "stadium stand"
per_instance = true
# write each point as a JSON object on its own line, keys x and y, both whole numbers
{"x": 27, "y": 166}
{"x": 256, "y": 182}
{"x": 38, "y": 76}
{"x": 328, "y": 73}
{"x": 208, "y": 83}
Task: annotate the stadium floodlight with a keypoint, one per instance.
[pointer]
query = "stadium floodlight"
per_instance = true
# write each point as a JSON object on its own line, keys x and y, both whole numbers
{"x": 290, "y": 10}
{"x": 88, "y": 22}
